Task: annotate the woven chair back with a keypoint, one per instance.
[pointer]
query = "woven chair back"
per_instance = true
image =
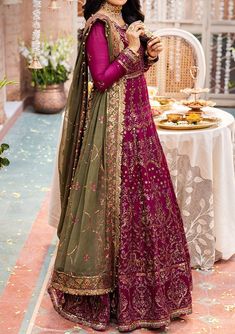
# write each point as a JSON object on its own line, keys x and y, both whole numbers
{"x": 171, "y": 73}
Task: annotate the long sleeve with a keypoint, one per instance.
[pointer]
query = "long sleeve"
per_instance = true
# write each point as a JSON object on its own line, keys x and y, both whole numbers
{"x": 149, "y": 62}
{"x": 105, "y": 73}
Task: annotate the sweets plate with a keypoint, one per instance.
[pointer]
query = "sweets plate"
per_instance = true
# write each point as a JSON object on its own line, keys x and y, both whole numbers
{"x": 206, "y": 122}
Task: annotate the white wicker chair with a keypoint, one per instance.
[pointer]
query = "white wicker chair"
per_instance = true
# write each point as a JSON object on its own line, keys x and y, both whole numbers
{"x": 182, "y": 50}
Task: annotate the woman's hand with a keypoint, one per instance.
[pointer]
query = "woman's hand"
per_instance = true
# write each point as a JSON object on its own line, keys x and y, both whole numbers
{"x": 154, "y": 47}
{"x": 133, "y": 35}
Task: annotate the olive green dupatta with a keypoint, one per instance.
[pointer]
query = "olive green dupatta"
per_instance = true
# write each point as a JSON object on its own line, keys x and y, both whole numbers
{"x": 90, "y": 176}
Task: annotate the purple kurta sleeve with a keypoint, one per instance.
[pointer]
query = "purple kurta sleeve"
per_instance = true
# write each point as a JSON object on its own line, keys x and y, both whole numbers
{"x": 104, "y": 72}
{"x": 149, "y": 62}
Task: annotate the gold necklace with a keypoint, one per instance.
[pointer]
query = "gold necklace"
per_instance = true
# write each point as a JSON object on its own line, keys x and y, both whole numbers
{"x": 112, "y": 9}
{"x": 115, "y": 13}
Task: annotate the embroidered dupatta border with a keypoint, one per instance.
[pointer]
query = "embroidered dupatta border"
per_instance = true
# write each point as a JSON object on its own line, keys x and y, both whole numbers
{"x": 105, "y": 282}
{"x": 116, "y": 96}
{"x": 114, "y": 137}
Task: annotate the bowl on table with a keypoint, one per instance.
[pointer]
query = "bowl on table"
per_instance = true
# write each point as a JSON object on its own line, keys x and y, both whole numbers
{"x": 162, "y": 103}
{"x": 193, "y": 118}
{"x": 164, "y": 100}
{"x": 174, "y": 117}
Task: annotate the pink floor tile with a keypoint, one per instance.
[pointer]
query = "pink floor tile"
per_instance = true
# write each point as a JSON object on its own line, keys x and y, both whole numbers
{"x": 213, "y": 296}
{"x": 18, "y": 291}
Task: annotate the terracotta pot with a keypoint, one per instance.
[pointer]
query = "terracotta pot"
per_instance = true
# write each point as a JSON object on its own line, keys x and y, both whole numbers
{"x": 50, "y": 100}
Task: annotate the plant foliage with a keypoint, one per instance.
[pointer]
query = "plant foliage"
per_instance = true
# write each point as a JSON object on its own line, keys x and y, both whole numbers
{"x": 3, "y": 161}
{"x": 54, "y": 57}
{"x": 4, "y": 82}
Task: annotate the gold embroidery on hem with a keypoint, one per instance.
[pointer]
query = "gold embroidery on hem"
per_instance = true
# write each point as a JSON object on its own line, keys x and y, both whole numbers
{"x": 153, "y": 323}
{"x": 81, "y": 285}
{"x": 131, "y": 326}
{"x": 69, "y": 316}
{"x": 181, "y": 311}
{"x": 81, "y": 292}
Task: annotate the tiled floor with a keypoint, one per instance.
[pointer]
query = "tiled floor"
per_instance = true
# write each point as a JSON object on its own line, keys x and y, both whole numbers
{"x": 27, "y": 244}
{"x": 25, "y": 183}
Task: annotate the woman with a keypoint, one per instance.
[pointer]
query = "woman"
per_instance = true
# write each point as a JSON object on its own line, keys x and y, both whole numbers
{"x": 122, "y": 250}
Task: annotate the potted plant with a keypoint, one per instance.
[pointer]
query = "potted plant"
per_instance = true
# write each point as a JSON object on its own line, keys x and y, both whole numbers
{"x": 3, "y": 160}
{"x": 3, "y": 83}
{"x": 49, "y": 81}
{"x": 3, "y": 147}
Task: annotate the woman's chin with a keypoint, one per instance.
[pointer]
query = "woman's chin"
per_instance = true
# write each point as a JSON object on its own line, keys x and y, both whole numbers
{"x": 118, "y": 2}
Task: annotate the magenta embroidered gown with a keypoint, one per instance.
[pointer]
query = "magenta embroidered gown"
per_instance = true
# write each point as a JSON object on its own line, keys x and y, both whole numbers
{"x": 153, "y": 277}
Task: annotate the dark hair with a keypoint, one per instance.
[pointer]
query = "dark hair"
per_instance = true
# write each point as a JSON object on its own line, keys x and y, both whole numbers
{"x": 131, "y": 11}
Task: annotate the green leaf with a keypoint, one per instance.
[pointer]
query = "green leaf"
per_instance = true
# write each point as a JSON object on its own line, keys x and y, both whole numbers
{"x": 5, "y": 162}
{"x": 4, "y": 82}
{"x": 4, "y": 147}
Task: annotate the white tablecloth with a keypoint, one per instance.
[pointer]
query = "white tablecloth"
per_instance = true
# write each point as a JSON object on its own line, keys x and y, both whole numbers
{"x": 202, "y": 169}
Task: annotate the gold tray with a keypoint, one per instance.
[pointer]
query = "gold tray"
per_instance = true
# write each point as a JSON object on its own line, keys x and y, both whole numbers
{"x": 204, "y": 124}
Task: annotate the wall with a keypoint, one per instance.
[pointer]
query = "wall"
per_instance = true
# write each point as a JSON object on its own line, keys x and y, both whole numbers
{"x": 53, "y": 25}
{"x": 16, "y": 25}
{"x": 2, "y": 63}
{"x": 12, "y": 21}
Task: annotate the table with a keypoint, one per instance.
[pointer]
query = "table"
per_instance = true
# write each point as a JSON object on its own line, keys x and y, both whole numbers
{"x": 202, "y": 170}
{"x": 201, "y": 164}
